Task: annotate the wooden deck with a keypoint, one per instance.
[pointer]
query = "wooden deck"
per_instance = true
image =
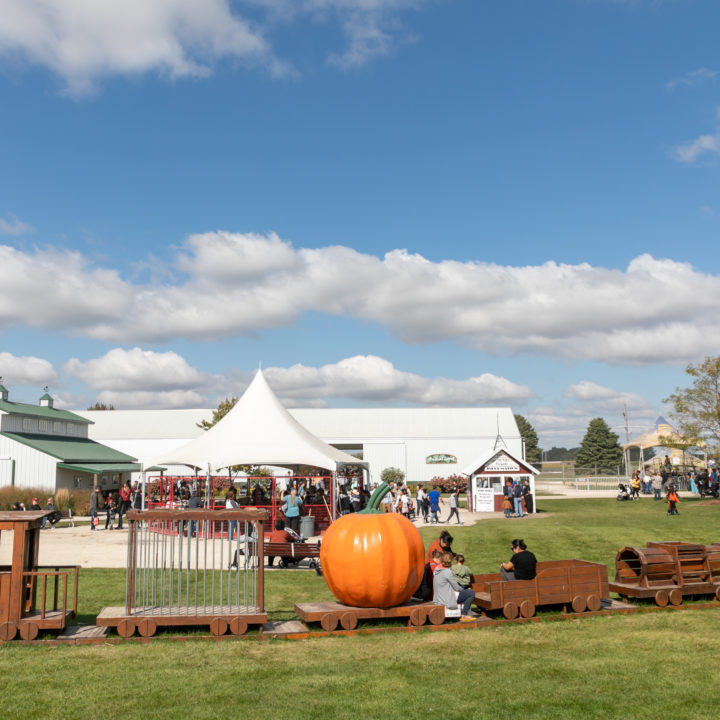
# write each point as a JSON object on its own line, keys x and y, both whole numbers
{"x": 332, "y": 614}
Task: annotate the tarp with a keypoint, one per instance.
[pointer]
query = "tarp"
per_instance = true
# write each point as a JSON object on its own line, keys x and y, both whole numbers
{"x": 257, "y": 431}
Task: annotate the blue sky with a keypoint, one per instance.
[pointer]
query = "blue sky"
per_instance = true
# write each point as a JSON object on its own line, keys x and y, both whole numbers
{"x": 383, "y": 202}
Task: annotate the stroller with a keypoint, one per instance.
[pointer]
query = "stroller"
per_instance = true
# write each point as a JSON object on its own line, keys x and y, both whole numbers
{"x": 624, "y": 493}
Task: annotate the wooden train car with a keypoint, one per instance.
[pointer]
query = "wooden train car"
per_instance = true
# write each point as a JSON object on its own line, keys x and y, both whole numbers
{"x": 667, "y": 571}
{"x": 330, "y": 615}
{"x": 192, "y": 568}
{"x": 21, "y": 610}
{"x": 578, "y": 583}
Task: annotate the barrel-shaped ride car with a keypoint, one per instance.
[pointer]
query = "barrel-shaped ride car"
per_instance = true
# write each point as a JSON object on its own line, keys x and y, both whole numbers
{"x": 667, "y": 571}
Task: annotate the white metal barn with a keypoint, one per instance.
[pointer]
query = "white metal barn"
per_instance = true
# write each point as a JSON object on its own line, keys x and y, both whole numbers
{"x": 45, "y": 448}
{"x": 422, "y": 442}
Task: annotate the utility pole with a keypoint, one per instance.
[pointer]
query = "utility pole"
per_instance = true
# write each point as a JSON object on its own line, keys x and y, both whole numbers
{"x": 627, "y": 440}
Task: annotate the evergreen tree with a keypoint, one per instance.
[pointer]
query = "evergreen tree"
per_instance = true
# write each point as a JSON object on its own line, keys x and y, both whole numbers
{"x": 599, "y": 449}
{"x": 533, "y": 454}
{"x": 101, "y": 406}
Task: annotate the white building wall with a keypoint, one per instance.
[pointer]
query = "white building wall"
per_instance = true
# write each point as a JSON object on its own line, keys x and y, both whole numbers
{"x": 33, "y": 469}
{"x": 381, "y": 455}
{"x": 7, "y": 471}
{"x": 401, "y": 438}
{"x": 410, "y": 455}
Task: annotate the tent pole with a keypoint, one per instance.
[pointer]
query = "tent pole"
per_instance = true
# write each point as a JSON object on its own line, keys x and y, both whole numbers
{"x": 208, "y": 484}
{"x": 333, "y": 499}
{"x": 144, "y": 502}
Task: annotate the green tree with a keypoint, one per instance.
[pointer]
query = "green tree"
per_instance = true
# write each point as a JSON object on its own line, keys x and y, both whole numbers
{"x": 696, "y": 410}
{"x": 533, "y": 454}
{"x": 561, "y": 453}
{"x": 222, "y": 410}
{"x": 392, "y": 475}
{"x": 599, "y": 449}
{"x": 101, "y": 406}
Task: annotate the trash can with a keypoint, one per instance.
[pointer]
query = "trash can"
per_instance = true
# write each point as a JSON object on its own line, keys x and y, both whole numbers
{"x": 307, "y": 526}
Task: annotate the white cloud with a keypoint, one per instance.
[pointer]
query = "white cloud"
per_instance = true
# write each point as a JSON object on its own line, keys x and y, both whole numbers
{"x": 26, "y": 370}
{"x": 157, "y": 400}
{"x": 367, "y": 377}
{"x": 693, "y": 77}
{"x": 371, "y": 28}
{"x": 565, "y": 423}
{"x": 596, "y": 399}
{"x": 135, "y": 370}
{"x": 13, "y": 226}
{"x": 701, "y": 147}
{"x": 235, "y": 284}
{"x": 72, "y": 294}
{"x": 140, "y": 378}
{"x": 82, "y": 41}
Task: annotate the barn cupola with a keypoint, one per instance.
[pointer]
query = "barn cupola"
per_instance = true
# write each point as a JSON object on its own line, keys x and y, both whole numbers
{"x": 46, "y": 400}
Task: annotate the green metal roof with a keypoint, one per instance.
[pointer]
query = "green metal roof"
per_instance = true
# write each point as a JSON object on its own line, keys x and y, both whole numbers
{"x": 100, "y": 468}
{"x": 71, "y": 450}
{"x": 49, "y": 413}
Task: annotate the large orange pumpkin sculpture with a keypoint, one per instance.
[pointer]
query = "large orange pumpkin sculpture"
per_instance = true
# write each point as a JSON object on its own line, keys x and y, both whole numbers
{"x": 371, "y": 558}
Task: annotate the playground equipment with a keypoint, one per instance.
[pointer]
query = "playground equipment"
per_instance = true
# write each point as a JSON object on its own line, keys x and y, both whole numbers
{"x": 205, "y": 568}
{"x": 667, "y": 571}
{"x": 192, "y": 567}
{"x": 20, "y": 610}
{"x": 578, "y": 583}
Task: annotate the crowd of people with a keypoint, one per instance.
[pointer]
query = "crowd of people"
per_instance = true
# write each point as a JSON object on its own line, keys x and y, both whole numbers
{"x": 115, "y": 504}
{"x": 516, "y": 493}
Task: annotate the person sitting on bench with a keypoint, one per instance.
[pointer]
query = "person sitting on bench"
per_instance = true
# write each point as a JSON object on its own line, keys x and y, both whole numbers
{"x": 280, "y": 535}
{"x": 522, "y": 565}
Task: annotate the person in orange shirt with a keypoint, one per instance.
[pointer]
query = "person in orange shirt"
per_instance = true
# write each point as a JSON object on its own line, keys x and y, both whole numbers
{"x": 443, "y": 544}
{"x": 280, "y": 535}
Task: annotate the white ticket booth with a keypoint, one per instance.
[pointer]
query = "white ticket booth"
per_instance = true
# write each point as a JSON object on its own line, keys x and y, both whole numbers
{"x": 490, "y": 473}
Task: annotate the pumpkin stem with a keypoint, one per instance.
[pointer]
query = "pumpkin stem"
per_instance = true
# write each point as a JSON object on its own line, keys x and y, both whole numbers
{"x": 373, "y": 505}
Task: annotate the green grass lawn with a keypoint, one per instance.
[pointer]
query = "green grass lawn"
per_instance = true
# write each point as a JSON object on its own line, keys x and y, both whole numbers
{"x": 651, "y": 665}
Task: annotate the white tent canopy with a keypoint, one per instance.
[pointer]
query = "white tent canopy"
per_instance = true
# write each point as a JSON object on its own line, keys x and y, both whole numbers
{"x": 257, "y": 431}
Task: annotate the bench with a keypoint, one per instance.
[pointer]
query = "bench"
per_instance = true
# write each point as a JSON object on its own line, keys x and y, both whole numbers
{"x": 297, "y": 550}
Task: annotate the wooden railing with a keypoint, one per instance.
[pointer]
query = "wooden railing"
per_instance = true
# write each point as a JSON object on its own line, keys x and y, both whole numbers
{"x": 40, "y": 578}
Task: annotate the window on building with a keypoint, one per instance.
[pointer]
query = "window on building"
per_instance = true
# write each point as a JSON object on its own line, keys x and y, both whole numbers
{"x": 58, "y": 427}
{"x": 71, "y": 428}
{"x": 28, "y": 424}
{"x": 45, "y": 426}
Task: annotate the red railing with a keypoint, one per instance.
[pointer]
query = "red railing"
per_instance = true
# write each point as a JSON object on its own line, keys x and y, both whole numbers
{"x": 259, "y": 492}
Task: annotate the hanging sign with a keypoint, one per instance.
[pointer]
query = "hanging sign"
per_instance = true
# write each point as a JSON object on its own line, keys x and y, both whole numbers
{"x": 502, "y": 463}
{"x": 440, "y": 459}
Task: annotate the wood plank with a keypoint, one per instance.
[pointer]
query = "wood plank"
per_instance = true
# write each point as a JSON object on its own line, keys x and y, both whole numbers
{"x": 314, "y": 612}
{"x": 83, "y": 632}
{"x": 286, "y": 627}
